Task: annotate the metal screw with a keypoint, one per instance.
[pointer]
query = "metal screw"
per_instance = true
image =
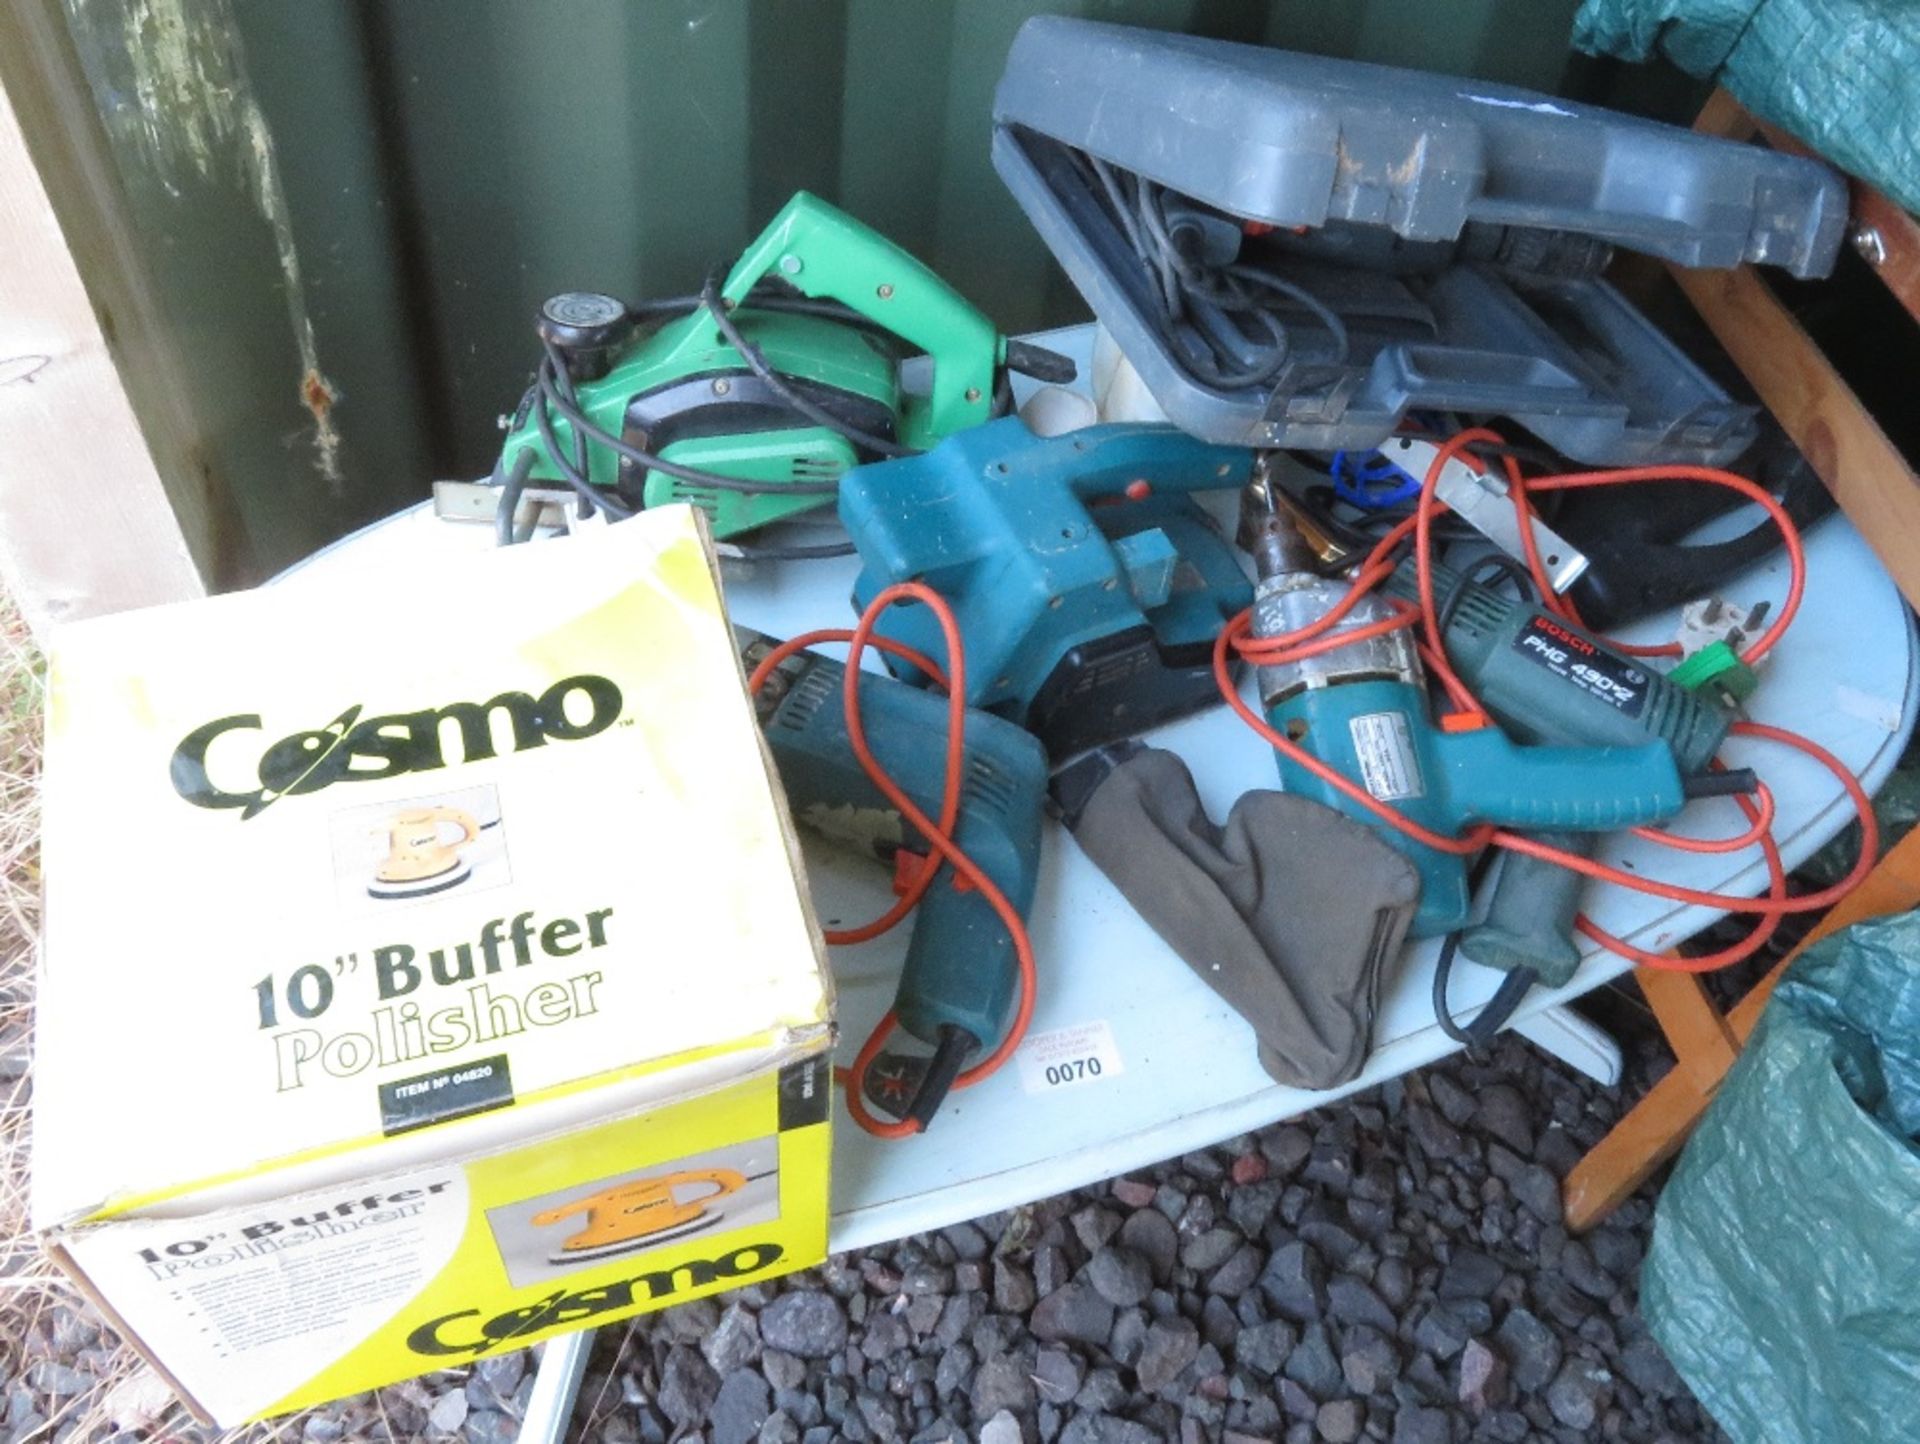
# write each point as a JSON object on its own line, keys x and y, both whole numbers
{"x": 973, "y": 393}
{"x": 1871, "y": 245}
{"x": 722, "y": 386}
{"x": 884, "y": 291}
{"x": 792, "y": 264}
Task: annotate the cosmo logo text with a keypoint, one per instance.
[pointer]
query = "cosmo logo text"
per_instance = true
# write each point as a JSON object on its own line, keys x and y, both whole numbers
{"x": 219, "y": 766}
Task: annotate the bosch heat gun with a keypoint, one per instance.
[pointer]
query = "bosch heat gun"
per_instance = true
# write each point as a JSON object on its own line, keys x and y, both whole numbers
{"x": 961, "y": 969}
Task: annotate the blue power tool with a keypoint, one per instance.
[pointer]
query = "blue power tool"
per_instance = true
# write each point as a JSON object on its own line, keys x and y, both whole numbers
{"x": 1087, "y": 585}
{"x": 961, "y": 969}
{"x": 1362, "y": 709}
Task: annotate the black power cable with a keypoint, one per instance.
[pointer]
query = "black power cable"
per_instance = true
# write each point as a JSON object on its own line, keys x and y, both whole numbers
{"x": 1214, "y": 317}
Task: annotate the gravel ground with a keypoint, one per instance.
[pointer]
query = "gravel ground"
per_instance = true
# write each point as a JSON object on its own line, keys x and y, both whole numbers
{"x": 1390, "y": 1268}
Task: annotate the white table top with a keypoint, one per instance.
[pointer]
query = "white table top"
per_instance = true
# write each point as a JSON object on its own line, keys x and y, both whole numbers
{"x": 1186, "y": 1074}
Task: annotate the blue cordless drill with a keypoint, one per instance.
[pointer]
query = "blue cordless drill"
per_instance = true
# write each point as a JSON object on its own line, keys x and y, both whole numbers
{"x": 961, "y": 969}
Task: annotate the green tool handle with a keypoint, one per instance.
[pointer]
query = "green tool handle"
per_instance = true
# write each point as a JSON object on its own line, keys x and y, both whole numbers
{"x": 823, "y": 252}
{"x": 1529, "y": 922}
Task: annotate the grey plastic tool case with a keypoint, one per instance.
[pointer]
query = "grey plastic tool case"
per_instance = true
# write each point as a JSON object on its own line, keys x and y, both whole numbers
{"x": 1380, "y": 167}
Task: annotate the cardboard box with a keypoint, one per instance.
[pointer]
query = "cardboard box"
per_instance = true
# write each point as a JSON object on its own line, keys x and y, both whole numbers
{"x": 426, "y": 969}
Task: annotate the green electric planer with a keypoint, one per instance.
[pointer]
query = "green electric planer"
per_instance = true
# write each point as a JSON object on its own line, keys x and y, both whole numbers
{"x": 751, "y": 399}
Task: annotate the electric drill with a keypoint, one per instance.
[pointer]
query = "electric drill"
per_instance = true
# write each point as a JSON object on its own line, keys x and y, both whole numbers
{"x": 1546, "y": 680}
{"x": 961, "y": 968}
{"x": 1362, "y": 709}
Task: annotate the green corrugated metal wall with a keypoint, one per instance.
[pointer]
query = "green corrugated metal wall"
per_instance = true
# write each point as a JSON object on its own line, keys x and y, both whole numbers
{"x": 445, "y": 164}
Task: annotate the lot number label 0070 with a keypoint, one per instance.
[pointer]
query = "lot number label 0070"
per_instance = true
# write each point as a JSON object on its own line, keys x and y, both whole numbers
{"x": 1069, "y": 1057}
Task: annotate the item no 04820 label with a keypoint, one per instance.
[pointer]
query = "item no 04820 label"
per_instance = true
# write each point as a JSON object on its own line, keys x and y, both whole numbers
{"x": 1571, "y": 657}
{"x": 1383, "y": 746}
{"x": 1084, "y": 1053}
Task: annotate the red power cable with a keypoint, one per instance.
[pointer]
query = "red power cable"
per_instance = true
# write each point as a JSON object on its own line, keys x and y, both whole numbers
{"x": 939, "y": 835}
{"x": 1315, "y": 638}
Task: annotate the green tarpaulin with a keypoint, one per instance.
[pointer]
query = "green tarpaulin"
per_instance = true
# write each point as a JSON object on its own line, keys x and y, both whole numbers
{"x": 1838, "y": 74}
{"x": 1784, "y": 1276}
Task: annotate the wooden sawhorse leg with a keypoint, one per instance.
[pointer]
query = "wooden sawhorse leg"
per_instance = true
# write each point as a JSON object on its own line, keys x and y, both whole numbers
{"x": 1705, "y": 1043}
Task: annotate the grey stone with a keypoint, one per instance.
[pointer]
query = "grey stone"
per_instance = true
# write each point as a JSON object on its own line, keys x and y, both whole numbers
{"x": 1440, "y": 1333}
{"x": 1538, "y": 1192}
{"x": 1057, "y": 1375}
{"x": 734, "y": 1341}
{"x": 1470, "y": 1274}
{"x": 1265, "y": 1347}
{"x": 1483, "y": 1376}
{"x": 1102, "y": 1393}
{"x": 1286, "y": 1148}
{"x": 490, "y": 1426}
{"x": 886, "y": 1334}
{"x": 692, "y": 1321}
{"x": 1129, "y": 1336}
{"x": 1120, "y": 1276}
{"x": 926, "y": 1279}
{"x": 500, "y": 1374}
{"x": 1648, "y": 1369}
{"x": 1560, "y": 1300}
{"x": 1106, "y": 1429}
{"x": 1616, "y": 1250}
{"x": 1312, "y": 1365}
{"x": 782, "y": 1369}
{"x": 1002, "y": 1428}
{"x": 967, "y": 1240}
{"x": 448, "y": 1413}
{"x": 1444, "y": 1144}
{"x": 1094, "y": 1226}
{"x": 923, "y": 1313}
{"x": 1506, "y": 1426}
{"x": 1210, "y": 1249}
{"x": 740, "y": 1408}
{"x": 1416, "y": 1425}
{"x": 1295, "y": 1401}
{"x": 1368, "y": 1360}
{"x": 779, "y": 1428}
{"x": 1329, "y": 1239}
{"x": 1218, "y": 1323}
{"x": 1001, "y": 1382}
{"x": 1393, "y": 1281}
{"x": 1234, "y": 1277}
{"x": 1352, "y": 1302}
{"x": 1577, "y": 1266}
{"x": 688, "y": 1385}
{"x": 1330, "y": 1166}
{"x": 1339, "y": 1421}
{"x": 1532, "y": 1349}
{"x": 810, "y": 1325}
{"x": 1050, "y": 1268}
{"x": 1453, "y": 1101}
{"x": 954, "y": 1370}
{"x": 1295, "y": 1282}
{"x": 1579, "y": 1392}
{"x": 1148, "y": 1234}
{"x": 1170, "y": 1346}
{"x": 1013, "y": 1290}
{"x": 1502, "y": 1112}
{"x": 1073, "y": 1311}
{"x": 1249, "y": 1208}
